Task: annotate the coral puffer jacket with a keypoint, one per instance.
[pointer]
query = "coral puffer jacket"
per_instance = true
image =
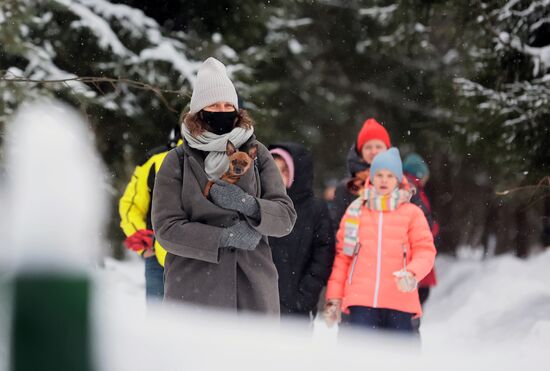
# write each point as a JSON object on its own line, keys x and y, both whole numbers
{"x": 387, "y": 241}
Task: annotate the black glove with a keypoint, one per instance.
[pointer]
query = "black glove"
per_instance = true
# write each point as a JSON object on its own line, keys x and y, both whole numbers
{"x": 305, "y": 301}
{"x": 232, "y": 197}
{"x": 240, "y": 236}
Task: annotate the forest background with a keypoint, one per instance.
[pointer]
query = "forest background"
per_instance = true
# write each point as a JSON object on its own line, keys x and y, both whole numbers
{"x": 466, "y": 84}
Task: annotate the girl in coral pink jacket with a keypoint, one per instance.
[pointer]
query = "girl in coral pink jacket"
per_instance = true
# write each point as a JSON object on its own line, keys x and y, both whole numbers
{"x": 384, "y": 248}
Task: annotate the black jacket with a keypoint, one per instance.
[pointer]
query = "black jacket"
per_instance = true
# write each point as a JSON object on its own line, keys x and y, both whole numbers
{"x": 303, "y": 258}
{"x": 342, "y": 197}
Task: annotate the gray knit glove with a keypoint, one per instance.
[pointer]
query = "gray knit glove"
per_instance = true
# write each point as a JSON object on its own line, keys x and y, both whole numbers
{"x": 240, "y": 236}
{"x": 232, "y": 197}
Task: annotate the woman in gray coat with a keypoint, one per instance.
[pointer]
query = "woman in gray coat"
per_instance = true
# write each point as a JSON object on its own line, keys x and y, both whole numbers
{"x": 218, "y": 252}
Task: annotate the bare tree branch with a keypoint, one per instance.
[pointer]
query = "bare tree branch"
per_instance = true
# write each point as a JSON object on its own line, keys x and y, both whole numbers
{"x": 95, "y": 81}
{"x": 544, "y": 183}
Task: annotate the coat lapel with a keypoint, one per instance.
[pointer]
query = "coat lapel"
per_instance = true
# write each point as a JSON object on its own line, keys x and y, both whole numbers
{"x": 196, "y": 163}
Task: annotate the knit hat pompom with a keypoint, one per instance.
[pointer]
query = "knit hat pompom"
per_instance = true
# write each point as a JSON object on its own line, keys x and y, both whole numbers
{"x": 372, "y": 129}
{"x": 388, "y": 160}
{"x": 415, "y": 165}
{"x": 212, "y": 85}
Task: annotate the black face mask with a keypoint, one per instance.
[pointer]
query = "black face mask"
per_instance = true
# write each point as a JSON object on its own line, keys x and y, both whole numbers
{"x": 220, "y": 122}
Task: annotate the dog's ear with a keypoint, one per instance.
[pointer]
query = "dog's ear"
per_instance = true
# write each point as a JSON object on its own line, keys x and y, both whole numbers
{"x": 230, "y": 148}
{"x": 363, "y": 174}
{"x": 253, "y": 151}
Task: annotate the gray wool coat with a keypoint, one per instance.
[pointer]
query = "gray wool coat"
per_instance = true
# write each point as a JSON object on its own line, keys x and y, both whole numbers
{"x": 197, "y": 271}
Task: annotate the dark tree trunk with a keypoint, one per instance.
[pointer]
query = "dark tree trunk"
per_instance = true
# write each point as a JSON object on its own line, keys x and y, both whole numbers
{"x": 546, "y": 223}
{"x": 490, "y": 227}
{"x": 521, "y": 240}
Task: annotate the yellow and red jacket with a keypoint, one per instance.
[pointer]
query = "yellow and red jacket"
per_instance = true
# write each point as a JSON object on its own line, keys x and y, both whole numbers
{"x": 134, "y": 206}
{"x": 387, "y": 240}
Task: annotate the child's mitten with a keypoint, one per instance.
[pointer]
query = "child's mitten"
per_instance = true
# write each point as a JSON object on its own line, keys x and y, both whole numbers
{"x": 405, "y": 280}
{"x": 332, "y": 312}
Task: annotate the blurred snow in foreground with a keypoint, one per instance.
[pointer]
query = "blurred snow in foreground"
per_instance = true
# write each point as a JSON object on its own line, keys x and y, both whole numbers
{"x": 490, "y": 315}
{"x": 56, "y": 204}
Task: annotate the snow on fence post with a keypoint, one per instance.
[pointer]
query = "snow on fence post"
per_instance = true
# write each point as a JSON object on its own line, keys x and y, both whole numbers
{"x": 55, "y": 213}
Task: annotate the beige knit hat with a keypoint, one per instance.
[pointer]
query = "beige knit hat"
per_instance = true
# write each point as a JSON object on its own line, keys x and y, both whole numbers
{"x": 212, "y": 85}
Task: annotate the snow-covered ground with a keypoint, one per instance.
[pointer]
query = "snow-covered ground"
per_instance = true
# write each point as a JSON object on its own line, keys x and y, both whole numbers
{"x": 489, "y": 314}
{"x": 502, "y": 300}
{"x": 484, "y": 314}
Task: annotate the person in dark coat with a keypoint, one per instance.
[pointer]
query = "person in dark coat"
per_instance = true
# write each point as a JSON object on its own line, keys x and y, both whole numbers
{"x": 417, "y": 172}
{"x": 372, "y": 139}
{"x": 218, "y": 253}
{"x": 304, "y": 257}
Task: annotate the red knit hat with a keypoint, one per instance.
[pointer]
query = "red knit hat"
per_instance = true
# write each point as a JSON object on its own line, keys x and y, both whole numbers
{"x": 372, "y": 130}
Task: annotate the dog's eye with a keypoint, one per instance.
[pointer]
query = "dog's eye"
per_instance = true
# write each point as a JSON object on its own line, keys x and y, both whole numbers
{"x": 235, "y": 162}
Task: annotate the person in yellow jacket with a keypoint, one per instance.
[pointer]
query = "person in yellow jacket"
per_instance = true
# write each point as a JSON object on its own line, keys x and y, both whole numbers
{"x": 135, "y": 217}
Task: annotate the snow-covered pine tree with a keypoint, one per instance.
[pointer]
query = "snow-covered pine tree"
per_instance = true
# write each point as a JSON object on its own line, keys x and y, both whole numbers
{"x": 505, "y": 99}
{"x": 509, "y": 87}
{"x": 123, "y": 67}
{"x": 129, "y": 75}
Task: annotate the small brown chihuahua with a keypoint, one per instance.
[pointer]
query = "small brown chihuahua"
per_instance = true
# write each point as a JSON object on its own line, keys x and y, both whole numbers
{"x": 239, "y": 163}
{"x": 356, "y": 184}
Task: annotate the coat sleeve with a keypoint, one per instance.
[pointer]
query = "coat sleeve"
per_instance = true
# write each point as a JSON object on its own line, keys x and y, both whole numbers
{"x": 342, "y": 199}
{"x": 417, "y": 200}
{"x": 134, "y": 204}
{"x": 337, "y": 281}
{"x": 277, "y": 214}
{"x": 318, "y": 270}
{"x": 175, "y": 232}
{"x": 422, "y": 245}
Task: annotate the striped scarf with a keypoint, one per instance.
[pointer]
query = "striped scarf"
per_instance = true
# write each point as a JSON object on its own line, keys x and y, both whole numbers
{"x": 387, "y": 202}
{"x": 373, "y": 201}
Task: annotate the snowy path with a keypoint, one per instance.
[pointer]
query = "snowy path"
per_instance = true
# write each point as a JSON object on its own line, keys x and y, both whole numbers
{"x": 492, "y": 314}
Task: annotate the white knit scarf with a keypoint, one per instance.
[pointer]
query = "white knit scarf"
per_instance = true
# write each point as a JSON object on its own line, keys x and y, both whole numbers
{"x": 216, "y": 162}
